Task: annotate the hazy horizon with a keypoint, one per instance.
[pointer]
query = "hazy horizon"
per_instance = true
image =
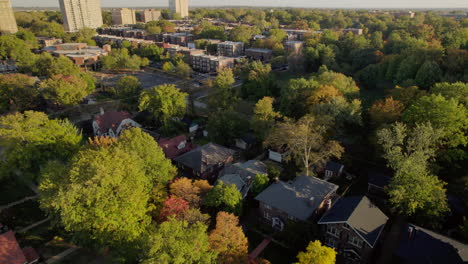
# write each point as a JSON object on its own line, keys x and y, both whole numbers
{"x": 403, "y": 4}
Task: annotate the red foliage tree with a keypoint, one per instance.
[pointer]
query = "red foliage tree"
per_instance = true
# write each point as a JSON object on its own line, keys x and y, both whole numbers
{"x": 173, "y": 206}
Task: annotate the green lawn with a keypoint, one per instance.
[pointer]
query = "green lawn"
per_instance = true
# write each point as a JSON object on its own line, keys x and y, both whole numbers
{"x": 12, "y": 189}
{"x": 22, "y": 215}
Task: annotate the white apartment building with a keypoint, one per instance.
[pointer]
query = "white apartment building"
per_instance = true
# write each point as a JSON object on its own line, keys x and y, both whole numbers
{"x": 123, "y": 16}
{"x": 7, "y": 18}
{"x": 78, "y": 14}
{"x": 180, "y": 7}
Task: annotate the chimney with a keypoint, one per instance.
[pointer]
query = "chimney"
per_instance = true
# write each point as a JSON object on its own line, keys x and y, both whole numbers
{"x": 311, "y": 201}
{"x": 411, "y": 232}
{"x": 101, "y": 110}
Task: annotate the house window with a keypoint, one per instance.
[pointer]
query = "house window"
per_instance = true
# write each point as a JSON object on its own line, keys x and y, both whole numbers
{"x": 328, "y": 173}
{"x": 355, "y": 241}
{"x": 331, "y": 242}
{"x": 333, "y": 231}
{"x": 266, "y": 215}
{"x": 267, "y": 206}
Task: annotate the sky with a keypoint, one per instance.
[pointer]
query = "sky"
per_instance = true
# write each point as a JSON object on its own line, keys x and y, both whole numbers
{"x": 279, "y": 3}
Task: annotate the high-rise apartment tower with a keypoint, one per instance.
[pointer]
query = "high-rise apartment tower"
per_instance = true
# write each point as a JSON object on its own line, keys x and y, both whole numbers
{"x": 78, "y": 14}
{"x": 123, "y": 16}
{"x": 7, "y": 18}
{"x": 151, "y": 15}
{"x": 180, "y": 7}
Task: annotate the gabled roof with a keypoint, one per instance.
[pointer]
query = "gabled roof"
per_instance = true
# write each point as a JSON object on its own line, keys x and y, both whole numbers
{"x": 333, "y": 166}
{"x": 170, "y": 146}
{"x": 110, "y": 120}
{"x": 294, "y": 198}
{"x": 426, "y": 247}
{"x": 233, "y": 179}
{"x": 205, "y": 156}
{"x": 10, "y": 251}
{"x": 239, "y": 174}
{"x": 378, "y": 179}
{"x": 361, "y": 214}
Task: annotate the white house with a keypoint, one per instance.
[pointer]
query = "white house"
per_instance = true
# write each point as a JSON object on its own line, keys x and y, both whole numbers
{"x": 112, "y": 123}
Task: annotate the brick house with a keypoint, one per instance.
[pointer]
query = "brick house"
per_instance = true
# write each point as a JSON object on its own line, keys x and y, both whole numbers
{"x": 112, "y": 123}
{"x": 303, "y": 198}
{"x": 353, "y": 227}
{"x": 206, "y": 161}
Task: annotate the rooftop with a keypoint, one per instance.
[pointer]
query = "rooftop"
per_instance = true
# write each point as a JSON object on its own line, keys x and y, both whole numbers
{"x": 205, "y": 156}
{"x": 422, "y": 246}
{"x": 10, "y": 251}
{"x": 361, "y": 214}
{"x": 110, "y": 120}
{"x": 295, "y": 197}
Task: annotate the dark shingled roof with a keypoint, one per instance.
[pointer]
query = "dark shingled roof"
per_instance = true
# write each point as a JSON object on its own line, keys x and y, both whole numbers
{"x": 293, "y": 198}
{"x": 333, "y": 166}
{"x": 205, "y": 156}
{"x": 378, "y": 179}
{"x": 427, "y": 247}
{"x": 361, "y": 214}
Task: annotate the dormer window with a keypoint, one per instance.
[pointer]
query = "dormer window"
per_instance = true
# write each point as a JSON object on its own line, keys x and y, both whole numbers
{"x": 182, "y": 144}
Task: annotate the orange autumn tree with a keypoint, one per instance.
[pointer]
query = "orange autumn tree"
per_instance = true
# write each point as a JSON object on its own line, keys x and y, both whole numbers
{"x": 228, "y": 240}
{"x": 191, "y": 191}
{"x": 386, "y": 111}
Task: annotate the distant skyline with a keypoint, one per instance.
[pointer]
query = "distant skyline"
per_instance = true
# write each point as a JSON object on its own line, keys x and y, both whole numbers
{"x": 270, "y": 3}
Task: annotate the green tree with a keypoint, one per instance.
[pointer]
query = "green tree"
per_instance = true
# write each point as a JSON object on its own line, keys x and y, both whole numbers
{"x": 243, "y": 33}
{"x": 223, "y": 94}
{"x": 65, "y": 90}
{"x": 317, "y": 254}
{"x": 95, "y": 212}
{"x": 306, "y": 142}
{"x": 163, "y": 102}
{"x": 120, "y": 59}
{"x": 413, "y": 190}
{"x": 225, "y": 197}
{"x": 168, "y": 67}
{"x": 28, "y": 37}
{"x": 31, "y": 139}
{"x": 157, "y": 168}
{"x": 177, "y": 242}
{"x": 128, "y": 86}
{"x": 457, "y": 91}
{"x": 260, "y": 183}
{"x": 17, "y": 92}
{"x": 264, "y": 117}
{"x": 258, "y": 81}
{"x": 225, "y": 126}
{"x": 183, "y": 69}
{"x": 447, "y": 115}
{"x": 428, "y": 74}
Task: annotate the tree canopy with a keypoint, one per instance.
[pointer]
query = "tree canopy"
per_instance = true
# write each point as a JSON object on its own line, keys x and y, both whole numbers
{"x": 228, "y": 239}
{"x": 316, "y": 253}
{"x": 163, "y": 102}
{"x": 177, "y": 242}
{"x": 32, "y": 139}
